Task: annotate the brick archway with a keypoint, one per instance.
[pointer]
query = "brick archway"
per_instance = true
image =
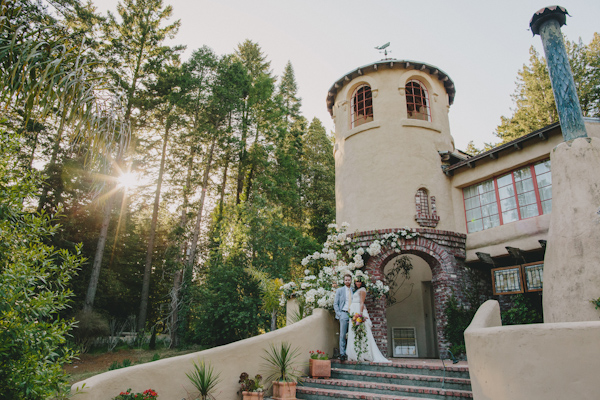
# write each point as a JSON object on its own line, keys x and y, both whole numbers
{"x": 444, "y": 251}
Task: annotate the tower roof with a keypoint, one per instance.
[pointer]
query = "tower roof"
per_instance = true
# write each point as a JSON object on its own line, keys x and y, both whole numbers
{"x": 390, "y": 64}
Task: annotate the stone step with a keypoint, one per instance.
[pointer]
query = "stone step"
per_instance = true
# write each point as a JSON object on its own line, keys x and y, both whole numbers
{"x": 385, "y": 389}
{"x": 402, "y": 378}
{"x": 451, "y": 370}
{"x": 310, "y": 393}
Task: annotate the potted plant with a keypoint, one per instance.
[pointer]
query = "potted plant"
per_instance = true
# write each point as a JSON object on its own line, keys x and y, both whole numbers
{"x": 251, "y": 389}
{"x": 319, "y": 365}
{"x": 205, "y": 379}
{"x": 281, "y": 362}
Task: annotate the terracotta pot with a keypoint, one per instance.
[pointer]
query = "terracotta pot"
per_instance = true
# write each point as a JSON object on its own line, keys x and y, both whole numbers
{"x": 284, "y": 390}
{"x": 319, "y": 368}
{"x": 252, "y": 395}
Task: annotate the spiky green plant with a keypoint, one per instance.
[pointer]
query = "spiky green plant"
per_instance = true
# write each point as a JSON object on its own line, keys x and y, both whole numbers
{"x": 281, "y": 363}
{"x": 205, "y": 379}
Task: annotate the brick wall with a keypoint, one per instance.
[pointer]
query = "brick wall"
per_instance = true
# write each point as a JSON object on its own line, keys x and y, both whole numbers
{"x": 444, "y": 251}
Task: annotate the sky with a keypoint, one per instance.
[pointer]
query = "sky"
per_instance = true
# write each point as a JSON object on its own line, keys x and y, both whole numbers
{"x": 480, "y": 44}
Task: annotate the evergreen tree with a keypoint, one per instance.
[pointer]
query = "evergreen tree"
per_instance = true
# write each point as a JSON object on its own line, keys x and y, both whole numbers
{"x": 318, "y": 181}
{"x": 533, "y": 96}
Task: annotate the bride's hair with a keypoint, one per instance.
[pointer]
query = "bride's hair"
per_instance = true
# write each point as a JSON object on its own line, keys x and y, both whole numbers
{"x": 361, "y": 280}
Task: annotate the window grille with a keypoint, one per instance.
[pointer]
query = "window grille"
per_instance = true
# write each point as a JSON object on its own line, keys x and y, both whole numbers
{"x": 405, "y": 342}
{"x": 534, "y": 276}
{"x": 362, "y": 106}
{"x": 417, "y": 101}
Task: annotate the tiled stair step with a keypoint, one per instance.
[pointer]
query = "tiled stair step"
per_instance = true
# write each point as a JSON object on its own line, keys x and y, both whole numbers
{"x": 402, "y": 379}
{"x": 310, "y": 393}
{"x": 388, "y": 388}
{"x": 453, "y": 371}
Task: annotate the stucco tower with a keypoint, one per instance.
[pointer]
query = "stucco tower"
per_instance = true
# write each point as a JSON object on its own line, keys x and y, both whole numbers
{"x": 391, "y": 123}
{"x": 391, "y": 137}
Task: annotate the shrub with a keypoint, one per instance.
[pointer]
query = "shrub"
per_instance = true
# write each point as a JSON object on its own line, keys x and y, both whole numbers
{"x": 522, "y": 312}
{"x": 34, "y": 281}
{"x": 90, "y": 326}
{"x": 459, "y": 317}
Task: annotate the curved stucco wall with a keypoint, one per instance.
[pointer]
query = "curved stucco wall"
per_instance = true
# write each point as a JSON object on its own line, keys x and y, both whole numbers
{"x": 530, "y": 362}
{"x": 381, "y": 164}
{"x": 572, "y": 261}
{"x": 168, "y": 376}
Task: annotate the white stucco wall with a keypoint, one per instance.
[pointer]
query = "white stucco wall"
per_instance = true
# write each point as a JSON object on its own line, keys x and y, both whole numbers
{"x": 168, "y": 376}
{"x": 380, "y": 165}
{"x": 531, "y": 362}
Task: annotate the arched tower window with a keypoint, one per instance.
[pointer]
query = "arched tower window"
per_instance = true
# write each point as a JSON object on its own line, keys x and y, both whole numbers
{"x": 417, "y": 101}
{"x": 362, "y": 106}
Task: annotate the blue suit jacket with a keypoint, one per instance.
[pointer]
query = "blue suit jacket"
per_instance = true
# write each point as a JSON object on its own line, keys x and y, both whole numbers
{"x": 338, "y": 301}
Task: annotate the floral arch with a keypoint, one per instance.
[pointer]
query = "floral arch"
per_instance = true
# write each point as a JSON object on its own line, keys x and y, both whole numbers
{"x": 367, "y": 253}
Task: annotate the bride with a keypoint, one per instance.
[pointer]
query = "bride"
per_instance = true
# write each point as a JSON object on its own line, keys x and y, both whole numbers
{"x": 361, "y": 346}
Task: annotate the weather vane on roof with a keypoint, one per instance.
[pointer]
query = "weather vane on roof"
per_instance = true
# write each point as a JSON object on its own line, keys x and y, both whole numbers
{"x": 384, "y": 48}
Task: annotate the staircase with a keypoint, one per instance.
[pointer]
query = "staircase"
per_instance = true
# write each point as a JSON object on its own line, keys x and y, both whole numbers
{"x": 401, "y": 380}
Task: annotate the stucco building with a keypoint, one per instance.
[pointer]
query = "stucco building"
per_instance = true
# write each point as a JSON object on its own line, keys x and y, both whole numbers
{"x": 484, "y": 216}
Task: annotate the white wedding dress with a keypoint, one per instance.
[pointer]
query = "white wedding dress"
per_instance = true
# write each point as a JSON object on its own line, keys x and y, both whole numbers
{"x": 372, "y": 353}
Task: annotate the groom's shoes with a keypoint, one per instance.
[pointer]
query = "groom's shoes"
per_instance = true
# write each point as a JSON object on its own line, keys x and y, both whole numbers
{"x": 343, "y": 358}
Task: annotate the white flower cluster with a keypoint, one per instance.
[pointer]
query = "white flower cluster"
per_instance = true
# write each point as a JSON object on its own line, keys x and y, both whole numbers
{"x": 340, "y": 256}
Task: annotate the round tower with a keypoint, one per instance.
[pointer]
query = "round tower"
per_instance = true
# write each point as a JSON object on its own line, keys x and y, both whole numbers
{"x": 391, "y": 133}
{"x": 391, "y": 124}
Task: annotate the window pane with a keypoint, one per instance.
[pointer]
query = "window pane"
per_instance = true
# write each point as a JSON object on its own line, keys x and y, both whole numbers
{"x": 505, "y": 180}
{"x": 547, "y": 206}
{"x": 506, "y": 191}
{"x": 529, "y": 211}
{"x": 510, "y": 216}
{"x": 489, "y": 209}
{"x": 490, "y": 222}
{"x": 544, "y": 180}
{"x": 546, "y": 193}
{"x": 527, "y": 198}
{"x": 468, "y": 192}
{"x": 488, "y": 198}
{"x": 524, "y": 185}
{"x": 486, "y": 186}
{"x": 542, "y": 167}
{"x": 475, "y": 226}
{"x": 508, "y": 204}
{"x": 523, "y": 173}
{"x": 474, "y": 214}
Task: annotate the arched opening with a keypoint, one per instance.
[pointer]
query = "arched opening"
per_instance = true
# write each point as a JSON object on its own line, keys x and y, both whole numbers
{"x": 417, "y": 101}
{"x": 410, "y": 311}
{"x": 362, "y": 106}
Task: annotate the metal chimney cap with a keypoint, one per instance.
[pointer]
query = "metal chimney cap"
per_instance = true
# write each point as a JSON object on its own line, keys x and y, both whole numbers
{"x": 551, "y": 12}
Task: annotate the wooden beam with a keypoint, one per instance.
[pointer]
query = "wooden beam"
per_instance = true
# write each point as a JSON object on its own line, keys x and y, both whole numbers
{"x": 493, "y": 156}
{"x": 542, "y": 136}
{"x": 337, "y": 85}
{"x": 518, "y": 146}
{"x": 423, "y": 67}
{"x": 471, "y": 164}
{"x": 391, "y": 64}
{"x": 360, "y": 72}
{"x": 347, "y": 79}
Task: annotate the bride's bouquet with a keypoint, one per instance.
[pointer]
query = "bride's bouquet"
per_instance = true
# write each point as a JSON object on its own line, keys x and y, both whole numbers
{"x": 360, "y": 334}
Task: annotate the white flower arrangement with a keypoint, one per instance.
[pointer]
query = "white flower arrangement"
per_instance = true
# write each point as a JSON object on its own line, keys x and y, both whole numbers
{"x": 341, "y": 255}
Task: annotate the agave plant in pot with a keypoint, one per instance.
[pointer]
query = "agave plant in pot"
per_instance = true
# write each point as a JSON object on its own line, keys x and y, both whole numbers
{"x": 282, "y": 367}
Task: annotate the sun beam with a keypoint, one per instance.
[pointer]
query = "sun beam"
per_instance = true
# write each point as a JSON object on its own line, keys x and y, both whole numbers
{"x": 127, "y": 180}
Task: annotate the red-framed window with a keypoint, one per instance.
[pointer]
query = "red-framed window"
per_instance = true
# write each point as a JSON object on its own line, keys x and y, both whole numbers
{"x": 417, "y": 101}
{"x": 362, "y": 106}
{"x": 520, "y": 194}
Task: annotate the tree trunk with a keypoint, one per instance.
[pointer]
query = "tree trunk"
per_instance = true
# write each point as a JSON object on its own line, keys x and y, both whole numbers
{"x": 178, "y": 274}
{"x": 93, "y": 284}
{"x": 194, "y": 243}
{"x": 148, "y": 268}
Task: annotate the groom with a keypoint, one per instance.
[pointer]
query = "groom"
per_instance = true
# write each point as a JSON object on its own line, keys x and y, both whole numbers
{"x": 341, "y": 304}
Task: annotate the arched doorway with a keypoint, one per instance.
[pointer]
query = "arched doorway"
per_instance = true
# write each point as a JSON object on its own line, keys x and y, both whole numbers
{"x": 444, "y": 252}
